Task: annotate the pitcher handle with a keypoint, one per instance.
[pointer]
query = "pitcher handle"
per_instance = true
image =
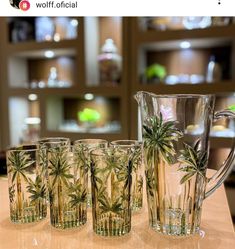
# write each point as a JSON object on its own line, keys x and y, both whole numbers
{"x": 218, "y": 178}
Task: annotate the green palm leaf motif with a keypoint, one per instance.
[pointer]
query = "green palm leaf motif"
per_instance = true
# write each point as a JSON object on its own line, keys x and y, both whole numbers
{"x": 58, "y": 169}
{"x": 19, "y": 163}
{"x": 95, "y": 180}
{"x": 77, "y": 193}
{"x": 37, "y": 190}
{"x": 193, "y": 161}
{"x": 136, "y": 158}
{"x": 159, "y": 136}
{"x": 82, "y": 158}
{"x": 11, "y": 190}
{"x": 59, "y": 166}
{"x": 150, "y": 182}
{"x": 106, "y": 205}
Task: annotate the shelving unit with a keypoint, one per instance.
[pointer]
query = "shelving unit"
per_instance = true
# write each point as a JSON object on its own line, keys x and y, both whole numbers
{"x": 24, "y": 62}
{"x": 155, "y": 46}
{"x": 26, "y": 71}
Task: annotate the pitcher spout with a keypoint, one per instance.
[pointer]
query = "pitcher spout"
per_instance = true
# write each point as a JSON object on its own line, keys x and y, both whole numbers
{"x": 138, "y": 97}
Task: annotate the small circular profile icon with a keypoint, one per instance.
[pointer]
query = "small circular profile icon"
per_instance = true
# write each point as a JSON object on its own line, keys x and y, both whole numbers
{"x": 24, "y": 5}
{"x": 15, "y": 3}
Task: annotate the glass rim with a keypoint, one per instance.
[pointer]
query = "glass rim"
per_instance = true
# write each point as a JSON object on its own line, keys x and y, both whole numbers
{"x": 180, "y": 95}
{"x": 132, "y": 143}
{"x": 54, "y": 139}
{"x": 91, "y": 140}
{"x": 94, "y": 152}
{"x": 24, "y": 147}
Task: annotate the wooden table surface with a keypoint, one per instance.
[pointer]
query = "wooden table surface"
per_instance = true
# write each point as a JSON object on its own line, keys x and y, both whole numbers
{"x": 217, "y": 231}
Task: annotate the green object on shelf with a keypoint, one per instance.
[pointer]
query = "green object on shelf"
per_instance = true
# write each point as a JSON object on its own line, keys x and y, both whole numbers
{"x": 89, "y": 115}
{"x": 155, "y": 71}
{"x": 232, "y": 107}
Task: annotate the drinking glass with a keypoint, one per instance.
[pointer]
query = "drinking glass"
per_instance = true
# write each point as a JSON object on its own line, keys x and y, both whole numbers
{"x": 89, "y": 144}
{"x": 137, "y": 170}
{"x": 27, "y": 184}
{"x": 111, "y": 186}
{"x": 175, "y": 130}
{"x": 67, "y": 186}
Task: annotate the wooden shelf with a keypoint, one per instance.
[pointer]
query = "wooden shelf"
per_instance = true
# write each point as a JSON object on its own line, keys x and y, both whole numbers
{"x": 115, "y": 91}
{"x": 221, "y": 142}
{"x": 24, "y": 47}
{"x": 205, "y": 88}
{"x": 75, "y": 135}
{"x": 212, "y": 32}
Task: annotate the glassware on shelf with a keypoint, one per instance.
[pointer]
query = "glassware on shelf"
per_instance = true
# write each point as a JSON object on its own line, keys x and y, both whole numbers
{"x": 221, "y": 20}
{"x": 65, "y": 28}
{"x": 109, "y": 64}
{"x": 21, "y": 29}
{"x": 45, "y": 28}
{"x": 31, "y": 129}
{"x": 197, "y": 22}
{"x": 165, "y": 23}
{"x": 184, "y": 79}
{"x": 213, "y": 70}
{"x": 53, "y": 77}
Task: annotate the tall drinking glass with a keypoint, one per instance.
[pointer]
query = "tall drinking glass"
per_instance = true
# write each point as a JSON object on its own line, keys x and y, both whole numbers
{"x": 111, "y": 186}
{"x": 27, "y": 184}
{"x": 67, "y": 186}
{"x": 137, "y": 170}
{"x": 84, "y": 146}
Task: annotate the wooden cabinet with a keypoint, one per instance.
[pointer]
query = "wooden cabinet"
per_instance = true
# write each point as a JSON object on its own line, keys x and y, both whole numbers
{"x": 48, "y": 78}
{"x": 54, "y": 77}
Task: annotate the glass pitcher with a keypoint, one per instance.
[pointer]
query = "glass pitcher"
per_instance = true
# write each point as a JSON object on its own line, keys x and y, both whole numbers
{"x": 175, "y": 130}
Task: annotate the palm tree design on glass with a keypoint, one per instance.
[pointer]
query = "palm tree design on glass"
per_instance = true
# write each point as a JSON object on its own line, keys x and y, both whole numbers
{"x": 193, "y": 162}
{"x": 38, "y": 194}
{"x": 18, "y": 164}
{"x": 58, "y": 169}
{"x": 11, "y": 190}
{"x": 159, "y": 152}
{"x": 78, "y": 199}
{"x": 111, "y": 181}
{"x": 137, "y": 184}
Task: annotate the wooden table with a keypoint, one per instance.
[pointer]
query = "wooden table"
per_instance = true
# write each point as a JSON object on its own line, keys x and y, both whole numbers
{"x": 216, "y": 227}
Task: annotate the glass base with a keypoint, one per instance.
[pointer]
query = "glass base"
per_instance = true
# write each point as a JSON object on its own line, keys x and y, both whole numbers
{"x": 28, "y": 215}
{"x": 69, "y": 219}
{"x": 107, "y": 226}
{"x": 175, "y": 230}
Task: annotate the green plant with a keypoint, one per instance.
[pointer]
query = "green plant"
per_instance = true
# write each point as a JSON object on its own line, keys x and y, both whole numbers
{"x": 155, "y": 71}
{"x": 89, "y": 115}
{"x": 193, "y": 161}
